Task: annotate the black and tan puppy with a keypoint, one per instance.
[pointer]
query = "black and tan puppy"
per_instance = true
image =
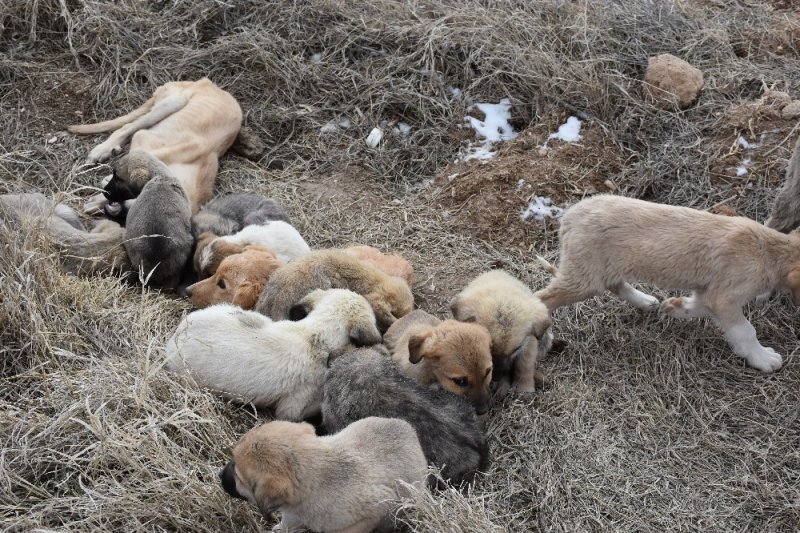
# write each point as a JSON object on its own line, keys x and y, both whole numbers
{"x": 158, "y": 234}
{"x": 365, "y": 382}
{"x": 348, "y": 482}
{"x": 389, "y": 296}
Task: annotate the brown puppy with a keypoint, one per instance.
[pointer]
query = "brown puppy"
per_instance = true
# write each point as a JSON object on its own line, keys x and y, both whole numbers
{"x": 393, "y": 265}
{"x": 389, "y": 297}
{"x": 517, "y": 321}
{"x": 223, "y": 249}
{"x": 239, "y": 279}
{"x": 346, "y": 482}
{"x": 454, "y": 354}
{"x": 187, "y": 125}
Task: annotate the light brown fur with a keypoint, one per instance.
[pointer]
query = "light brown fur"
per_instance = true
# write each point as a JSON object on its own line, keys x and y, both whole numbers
{"x": 390, "y": 264}
{"x": 607, "y": 241}
{"x": 239, "y": 279}
{"x": 187, "y": 125}
{"x": 222, "y": 249}
{"x": 453, "y": 354}
{"x": 518, "y": 323}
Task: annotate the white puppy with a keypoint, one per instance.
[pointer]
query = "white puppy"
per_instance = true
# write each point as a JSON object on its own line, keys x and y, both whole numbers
{"x": 246, "y": 356}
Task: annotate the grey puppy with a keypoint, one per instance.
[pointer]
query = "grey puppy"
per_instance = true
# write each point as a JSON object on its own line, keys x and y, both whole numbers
{"x": 785, "y": 215}
{"x": 227, "y": 214}
{"x": 365, "y": 382}
{"x": 158, "y": 236}
{"x": 80, "y": 251}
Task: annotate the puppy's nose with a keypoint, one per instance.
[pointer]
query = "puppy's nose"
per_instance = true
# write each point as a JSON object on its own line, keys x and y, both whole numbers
{"x": 228, "y": 481}
{"x": 188, "y": 290}
{"x": 483, "y": 405}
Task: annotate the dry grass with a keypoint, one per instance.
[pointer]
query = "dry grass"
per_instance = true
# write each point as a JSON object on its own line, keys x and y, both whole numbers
{"x": 650, "y": 424}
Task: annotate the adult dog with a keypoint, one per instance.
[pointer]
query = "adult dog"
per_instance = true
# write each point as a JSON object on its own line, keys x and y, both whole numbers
{"x": 607, "y": 241}
{"x": 187, "y": 125}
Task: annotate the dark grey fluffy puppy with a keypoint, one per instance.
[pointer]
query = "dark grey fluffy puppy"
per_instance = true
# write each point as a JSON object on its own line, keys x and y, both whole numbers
{"x": 785, "y": 215}
{"x": 365, "y": 382}
{"x": 158, "y": 234}
{"x": 225, "y": 215}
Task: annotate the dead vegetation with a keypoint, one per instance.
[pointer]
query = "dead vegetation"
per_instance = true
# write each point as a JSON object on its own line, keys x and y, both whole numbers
{"x": 650, "y": 424}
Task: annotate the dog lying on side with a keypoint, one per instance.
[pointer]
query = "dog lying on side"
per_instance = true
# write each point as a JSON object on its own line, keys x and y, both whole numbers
{"x": 365, "y": 382}
{"x": 390, "y": 264}
{"x": 80, "y": 251}
{"x": 389, "y": 297}
{"x": 239, "y": 279}
{"x": 347, "y": 482}
{"x": 158, "y": 233}
{"x": 229, "y": 213}
{"x": 280, "y": 237}
{"x": 187, "y": 125}
{"x": 453, "y": 354}
{"x": 785, "y": 216}
{"x": 519, "y": 325}
{"x": 248, "y": 357}
{"x": 607, "y": 241}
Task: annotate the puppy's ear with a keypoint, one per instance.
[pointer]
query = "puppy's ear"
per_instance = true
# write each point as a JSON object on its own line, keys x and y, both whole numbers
{"x": 461, "y": 312}
{"x": 793, "y": 281}
{"x": 539, "y": 327}
{"x": 416, "y": 345}
{"x": 246, "y": 294}
{"x": 361, "y": 335}
{"x": 273, "y": 490}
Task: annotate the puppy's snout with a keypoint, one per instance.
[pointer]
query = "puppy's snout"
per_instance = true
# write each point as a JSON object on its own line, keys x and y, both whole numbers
{"x": 226, "y": 476}
{"x": 483, "y": 404}
{"x": 188, "y": 290}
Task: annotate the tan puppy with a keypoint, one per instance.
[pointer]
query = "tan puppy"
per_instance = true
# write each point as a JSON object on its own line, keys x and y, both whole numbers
{"x": 607, "y": 241}
{"x": 347, "y": 482}
{"x": 453, "y": 354}
{"x": 389, "y": 297}
{"x": 239, "y": 279}
{"x": 393, "y": 265}
{"x": 518, "y": 323}
{"x": 187, "y": 125}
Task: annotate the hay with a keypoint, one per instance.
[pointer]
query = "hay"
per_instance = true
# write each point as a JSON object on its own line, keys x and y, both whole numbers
{"x": 650, "y": 424}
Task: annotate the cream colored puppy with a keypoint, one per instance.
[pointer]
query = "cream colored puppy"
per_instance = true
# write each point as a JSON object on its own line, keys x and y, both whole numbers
{"x": 347, "y": 482}
{"x": 248, "y": 357}
{"x": 518, "y": 323}
{"x": 607, "y": 241}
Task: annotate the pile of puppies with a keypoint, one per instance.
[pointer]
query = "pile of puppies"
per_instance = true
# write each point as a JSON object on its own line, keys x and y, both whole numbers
{"x": 334, "y": 333}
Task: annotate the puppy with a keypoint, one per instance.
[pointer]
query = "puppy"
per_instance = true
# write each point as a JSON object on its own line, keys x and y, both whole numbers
{"x": 455, "y": 355}
{"x": 278, "y": 236}
{"x": 607, "y": 241}
{"x": 248, "y": 357}
{"x": 187, "y": 125}
{"x": 239, "y": 279}
{"x": 158, "y": 236}
{"x": 389, "y": 297}
{"x": 80, "y": 251}
{"x": 785, "y": 215}
{"x": 365, "y": 382}
{"x": 393, "y": 265}
{"x": 347, "y": 482}
{"x": 227, "y": 214}
{"x": 518, "y": 323}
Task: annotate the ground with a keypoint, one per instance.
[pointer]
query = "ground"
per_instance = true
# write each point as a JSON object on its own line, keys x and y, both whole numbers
{"x": 649, "y": 423}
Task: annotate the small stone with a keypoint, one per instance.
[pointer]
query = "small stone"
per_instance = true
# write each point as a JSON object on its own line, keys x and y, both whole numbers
{"x": 611, "y": 185}
{"x": 52, "y": 139}
{"x": 670, "y": 80}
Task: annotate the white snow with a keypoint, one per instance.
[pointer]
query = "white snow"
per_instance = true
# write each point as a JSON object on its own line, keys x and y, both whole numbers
{"x": 403, "y": 128}
{"x": 741, "y": 170}
{"x": 334, "y": 126}
{"x": 540, "y": 208}
{"x": 315, "y": 58}
{"x": 741, "y": 141}
{"x": 492, "y": 129}
{"x": 569, "y": 132}
{"x": 520, "y": 184}
{"x": 455, "y": 92}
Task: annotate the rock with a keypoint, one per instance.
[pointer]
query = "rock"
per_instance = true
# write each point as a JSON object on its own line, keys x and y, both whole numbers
{"x": 670, "y": 81}
{"x": 791, "y": 111}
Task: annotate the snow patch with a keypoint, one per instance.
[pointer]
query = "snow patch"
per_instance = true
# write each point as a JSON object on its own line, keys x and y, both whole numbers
{"x": 315, "y": 58}
{"x": 455, "y": 92}
{"x": 403, "y": 129}
{"x": 741, "y": 141}
{"x": 540, "y": 208}
{"x": 741, "y": 170}
{"x": 568, "y": 132}
{"x": 492, "y": 129}
{"x": 334, "y": 126}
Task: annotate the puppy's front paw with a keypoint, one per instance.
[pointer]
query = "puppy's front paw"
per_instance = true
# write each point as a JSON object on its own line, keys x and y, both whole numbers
{"x": 674, "y": 307}
{"x": 762, "y": 298}
{"x": 766, "y": 360}
{"x": 646, "y": 302}
{"x": 101, "y": 153}
{"x": 95, "y": 205}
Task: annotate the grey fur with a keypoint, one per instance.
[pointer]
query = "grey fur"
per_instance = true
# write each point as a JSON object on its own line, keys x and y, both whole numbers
{"x": 365, "y": 382}
{"x": 225, "y": 215}
{"x": 785, "y": 215}
{"x": 80, "y": 251}
{"x": 158, "y": 235}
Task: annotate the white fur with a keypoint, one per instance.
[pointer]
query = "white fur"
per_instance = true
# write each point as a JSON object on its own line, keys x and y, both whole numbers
{"x": 743, "y": 340}
{"x": 246, "y": 356}
{"x": 280, "y": 237}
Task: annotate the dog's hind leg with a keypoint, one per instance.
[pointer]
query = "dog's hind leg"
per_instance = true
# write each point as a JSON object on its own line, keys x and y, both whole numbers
{"x": 560, "y": 293}
{"x": 741, "y": 335}
{"x": 686, "y": 306}
{"x": 634, "y": 297}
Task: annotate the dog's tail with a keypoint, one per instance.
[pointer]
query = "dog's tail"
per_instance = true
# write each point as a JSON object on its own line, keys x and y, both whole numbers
{"x": 109, "y": 125}
{"x": 248, "y": 144}
{"x": 547, "y": 266}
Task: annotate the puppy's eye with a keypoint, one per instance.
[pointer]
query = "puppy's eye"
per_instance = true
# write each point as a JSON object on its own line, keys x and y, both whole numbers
{"x": 221, "y": 284}
{"x": 461, "y": 382}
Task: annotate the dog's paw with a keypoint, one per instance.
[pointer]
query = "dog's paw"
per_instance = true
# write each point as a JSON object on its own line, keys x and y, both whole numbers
{"x": 101, "y": 153}
{"x": 95, "y": 205}
{"x": 675, "y": 308}
{"x": 646, "y": 302}
{"x": 762, "y": 298}
{"x": 766, "y": 360}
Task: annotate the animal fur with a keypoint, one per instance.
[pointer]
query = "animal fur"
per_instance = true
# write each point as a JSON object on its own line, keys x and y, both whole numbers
{"x": 239, "y": 279}
{"x": 248, "y": 357}
{"x": 347, "y": 482}
{"x": 785, "y": 215}
{"x": 518, "y": 322}
{"x": 390, "y": 264}
{"x": 608, "y": 241}
{"x": 158, "y": 236}
{"x": 229, "y": 213}
{"x": 187, "y": 125}
{"x": 389, "y": 297}
{"x": 81, "y": 252}
{"x": 365, "y": 382}
{"x": 453, "y": 354}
